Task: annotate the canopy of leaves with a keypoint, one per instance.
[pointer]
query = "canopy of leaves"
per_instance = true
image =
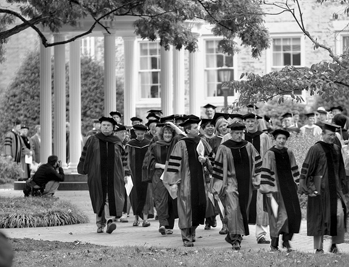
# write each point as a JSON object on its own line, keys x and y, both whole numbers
{"x": 22, "y": 99}
{"x": 168, "y": 20}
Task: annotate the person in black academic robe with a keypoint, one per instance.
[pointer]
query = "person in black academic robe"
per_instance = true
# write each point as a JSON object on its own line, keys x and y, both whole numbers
{"x": 140, "y": 195}
{"x": 278, "y": 182}
{"x": 102, "y": 161}
{"x": 153, "y": 168}
{"x": 323, "y": 180}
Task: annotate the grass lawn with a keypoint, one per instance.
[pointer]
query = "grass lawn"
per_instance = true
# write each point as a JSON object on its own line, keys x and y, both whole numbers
{"x": 30, "y": 252}
{"x": 22, "y": 212}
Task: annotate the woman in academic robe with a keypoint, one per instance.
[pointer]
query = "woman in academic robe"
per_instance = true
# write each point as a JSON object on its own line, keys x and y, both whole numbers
{"x": 278, "y": 181}
{"x": 153, "y": 168}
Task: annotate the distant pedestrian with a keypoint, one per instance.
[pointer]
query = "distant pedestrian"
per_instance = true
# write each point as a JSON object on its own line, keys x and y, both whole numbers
{"x": 27, "y": 153}
{"x": 35, "y": 141}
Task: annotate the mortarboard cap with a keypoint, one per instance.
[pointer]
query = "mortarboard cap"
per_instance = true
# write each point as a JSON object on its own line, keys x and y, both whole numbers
{"x": 119, "y": 128}
{"x": 321, "y": 110}
{"x": 277, "y": 132}
{"x": 166, "y": 118}
{"x": 136, "y": 119}
{"x": 108, "y": 119}
{"x": 237, "y": 126}
{"x": 310, "y": 114}
{"x": 330, "y": 127}
{"x": 156, "y": 111}
{"x": 209, "y": 106}
{"x": 339, "y": 108}
{"x": 150, "y": 122}
{"x": 96, "y": 121}
{"x": 115, "y": 113}
{"x": 152, "y": 115}
{"x": 251, "y": 116}
{"x": 190, "y": 121}
{"x": 24, "y": 127}
{"x": 340, "y": 120}
{"x": 218, "y": 116}
{"x": 235, "y": 115}
{"x": 252, "y": 106}
{"x": 17, "y": 122}
{"x": 140, "y": 127}
{"x": 287, "y": 115}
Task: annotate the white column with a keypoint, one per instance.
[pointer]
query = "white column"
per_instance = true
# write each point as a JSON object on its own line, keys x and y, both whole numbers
{"x": 178, "y": 82}
{"x": 75, "y": 104}
{"x": 45, "y": 102}
{"x": 196, "y": 77}
{"x": 130, "y": 78}
{"x": 166, "y": 82}
{"x": 59, "y": 100}
{"x": 109, "y": 73}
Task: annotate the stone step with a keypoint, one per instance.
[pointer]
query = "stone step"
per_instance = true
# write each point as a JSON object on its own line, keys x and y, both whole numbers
{"x": 75, "y": 177}
{"x": 63, "y": 186}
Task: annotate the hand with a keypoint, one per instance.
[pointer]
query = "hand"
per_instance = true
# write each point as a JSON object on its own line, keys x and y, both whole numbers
{"x": 302, "y": 187}
{"x": 125, "y": 179}
{"x": 174, "y": 188}
{"x": 201, "y": 159}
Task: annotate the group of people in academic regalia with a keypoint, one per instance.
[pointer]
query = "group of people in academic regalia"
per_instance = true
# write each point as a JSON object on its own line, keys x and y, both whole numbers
{"x": 235, "y": 166}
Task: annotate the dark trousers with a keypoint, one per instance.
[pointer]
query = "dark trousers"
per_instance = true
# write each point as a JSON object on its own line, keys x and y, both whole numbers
{"x": 188, "y": 234}
{"x": 285, "y": 238}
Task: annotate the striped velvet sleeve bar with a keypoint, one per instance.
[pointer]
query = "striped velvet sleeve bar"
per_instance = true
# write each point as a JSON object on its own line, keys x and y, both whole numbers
{"x": 174, "y": 164}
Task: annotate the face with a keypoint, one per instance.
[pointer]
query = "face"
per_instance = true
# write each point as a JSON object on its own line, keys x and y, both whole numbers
{"x": 194, "y": 130}
{"x": 251, "y": 124}
{"x": 24, "y": 132}
{"x": 107, "y": 128}
{"x": 280, "y": 141}
{"x": 322, "y": 117}
{"x": 97, "y": 126}
{"x": 328, "y": 136}
{"x": 335, "y": 112}
{"x": 167, "y": 135}
{"x": 209, "y": 129}
{"x": 140, "y": 134}
{"x": 136, "y": 122}
{"x": 296, "y": 117}
{"x": 18, "y": 128}
{"x": 209, "y": 113}
{"x": 117, "y": 118}
{"x": 288, "y": 122}
{"x": 222, "y": 129}
{"x": 311, "y": 120}
{"x": 152, "y": 128}
{"x": 237, "y": 135}
{"x": 121, "y": 135}
{"x": 250, "y": 110}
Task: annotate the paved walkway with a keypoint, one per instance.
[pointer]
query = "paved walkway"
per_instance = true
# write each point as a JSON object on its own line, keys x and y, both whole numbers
{"x": 127, "y": 235}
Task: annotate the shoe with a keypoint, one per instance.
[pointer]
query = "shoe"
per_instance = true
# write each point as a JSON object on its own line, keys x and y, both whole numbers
{"x": 236, "y": 245}
{"x": 100, "y": 230}
{"x": 188, "y": 243}
{"x": 287, "y": 245}
{"x": 156, "y": 218}
{"x": 334, "y": 249}
{"x": 135, "y": 223}
{"x": 319, "y": 251}
{"x": 145, "y": 224}
{"x": 262, "y": 240}
{"x": 123, "y": 220}
{"x": 214, "y": 224}
{"x": 162, "y": 230}
{"x": 169, "y": 231}
{"x": 274, "y": 249}
{"x": 207, "y": 227}
{"x": 111, "y": 226}
{"x": 224, "y": 230}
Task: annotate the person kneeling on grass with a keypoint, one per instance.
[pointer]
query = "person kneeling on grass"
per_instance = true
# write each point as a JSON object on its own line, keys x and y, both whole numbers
{"x": 49, "y": 175}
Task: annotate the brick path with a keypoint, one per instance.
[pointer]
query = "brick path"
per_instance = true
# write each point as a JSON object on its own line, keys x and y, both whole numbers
{"x": 127, "y": 235}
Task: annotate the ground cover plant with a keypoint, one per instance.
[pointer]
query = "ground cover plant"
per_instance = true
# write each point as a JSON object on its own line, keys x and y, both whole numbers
{"x": 30, "y": 252}
{"x": 9, "y": 171}
{"x": 23, "y": 212}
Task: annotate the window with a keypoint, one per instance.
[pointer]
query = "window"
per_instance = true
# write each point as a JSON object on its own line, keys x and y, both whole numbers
{"x": 345, "y": 46}
{"x": 88, "y": 46}
{"x": 216, "y": 59}
{"x": 286, "y": 51}
{"x": 149, "y": 71}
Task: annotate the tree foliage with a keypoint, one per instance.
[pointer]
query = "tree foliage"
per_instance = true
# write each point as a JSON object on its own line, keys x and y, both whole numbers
{"x": 168, "y": 20}
{"x": 22, "y": 99}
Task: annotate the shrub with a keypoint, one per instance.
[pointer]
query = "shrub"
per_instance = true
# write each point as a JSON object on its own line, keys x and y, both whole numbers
{"x": 38, "y": 212}
{"x": 9, "y": 171}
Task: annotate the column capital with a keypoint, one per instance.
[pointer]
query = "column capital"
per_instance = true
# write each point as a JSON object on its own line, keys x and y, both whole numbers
{"x": 111, "y": 32}
{"x": 129, "y": 38}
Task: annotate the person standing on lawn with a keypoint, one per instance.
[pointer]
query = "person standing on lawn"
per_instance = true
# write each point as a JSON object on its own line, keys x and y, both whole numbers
{"x": 185, "y": 175}
{"x": 323, "y": 180}
{"x": 102, "y": 161}
{"x": 236, "y": 173}
{"x": 278, "y": 182}
{"x": 261, "y": 142}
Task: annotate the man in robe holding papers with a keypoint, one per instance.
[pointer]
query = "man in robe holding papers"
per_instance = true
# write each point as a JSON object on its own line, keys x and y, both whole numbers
{"x": 323, "y": 180}
{"x": 185, "y": 175}
{"x": 236, "y": 173}
{"x": 278, "y": 181}
{"x": 102, "y": 161}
